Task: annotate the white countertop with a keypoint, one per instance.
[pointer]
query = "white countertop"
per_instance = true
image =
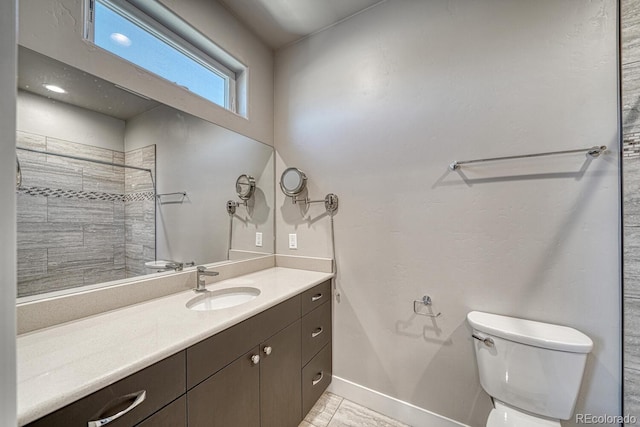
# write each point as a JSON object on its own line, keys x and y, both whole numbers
{"x": 64, "y": 363}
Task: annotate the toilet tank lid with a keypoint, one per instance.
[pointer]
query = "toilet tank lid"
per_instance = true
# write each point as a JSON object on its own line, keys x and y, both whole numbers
{"x": 538, "y": 334}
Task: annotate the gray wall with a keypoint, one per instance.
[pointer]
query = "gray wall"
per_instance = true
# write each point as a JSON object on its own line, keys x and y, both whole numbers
{"x": 376, "y": 107}
{"x": 43, "y": 116}
{"x": 8, "y": 12}
{"x": 631, "y": 191}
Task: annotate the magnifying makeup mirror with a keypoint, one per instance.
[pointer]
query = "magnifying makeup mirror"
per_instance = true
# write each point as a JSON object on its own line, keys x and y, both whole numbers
{"x": 245, "y": 186}
{"x": 293, "y": 182}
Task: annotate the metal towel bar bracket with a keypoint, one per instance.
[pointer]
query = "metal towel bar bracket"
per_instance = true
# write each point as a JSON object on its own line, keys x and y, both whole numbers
{"x": 178, "y": 197}
{"x": 593, "y": 152}
{"x": 425, "y": 301}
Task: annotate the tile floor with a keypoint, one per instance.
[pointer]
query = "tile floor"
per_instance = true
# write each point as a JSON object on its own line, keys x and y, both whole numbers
{"x": 335, "y": 411}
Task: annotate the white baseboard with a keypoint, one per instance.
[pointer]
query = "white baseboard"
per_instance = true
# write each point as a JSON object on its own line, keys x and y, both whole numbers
{"x": 389, "y": 406}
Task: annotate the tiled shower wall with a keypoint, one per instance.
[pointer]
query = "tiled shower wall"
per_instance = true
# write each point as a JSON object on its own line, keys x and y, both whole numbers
{"x": 630, "y": 23}
{"x": 139, "y": 211}
{"x": 73, "y": 228}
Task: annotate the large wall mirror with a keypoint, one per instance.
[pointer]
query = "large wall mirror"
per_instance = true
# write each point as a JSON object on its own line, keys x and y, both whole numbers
{"x": 115, "y": 185}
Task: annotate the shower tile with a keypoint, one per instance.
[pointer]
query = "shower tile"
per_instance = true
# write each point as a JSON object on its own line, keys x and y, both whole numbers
{"x": 119, "y": 213}
{"x": 631, "y": 392}
{"x": 143, "y": 233}
{"x": 51, "y": 282}
{"x": 103, "y": 274}
{"x": 55, "y": 145}
{"x": 134, "y": 157}
{"x": 630, "y": 29}
{"x": 34, "y": 142}
{"x": 134, "y": 259}
{"x": 324, "y": 409}
{"x": 149, "y": 157}
{"x": 74, "y": 258}
{"x": 30, "y": 140}
{"x": 51, "y": 176}
{"x": 43, "y": 235}
{"x": 31, "y": 208}
{"x": 134, "y": 211}
{"x": 102, "y": 178}
{"x": 32, "y": 263}
{"x": 118, "y": 157}
{"x": 119, "y": 256}
{"x": 80, "y": 211}
{"x": 306, "y": 424}
{"x": 350, "y": 414}
{"x": 103, "y": 234}
{"x": 149, "y": 253}
{"x": 137, "y": 181}
{"x": 632, "y": 333}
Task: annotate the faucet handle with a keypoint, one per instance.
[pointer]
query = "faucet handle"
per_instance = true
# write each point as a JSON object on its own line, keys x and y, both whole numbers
{"x": 202, "y": 269}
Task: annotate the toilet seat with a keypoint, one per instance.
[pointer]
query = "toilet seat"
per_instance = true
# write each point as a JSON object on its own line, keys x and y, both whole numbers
{"x": 506, "y": 416}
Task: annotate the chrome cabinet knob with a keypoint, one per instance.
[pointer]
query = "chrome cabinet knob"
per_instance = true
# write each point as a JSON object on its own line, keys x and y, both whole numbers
{"x": 255, "y": 359}
{"x": 267, "y": 350}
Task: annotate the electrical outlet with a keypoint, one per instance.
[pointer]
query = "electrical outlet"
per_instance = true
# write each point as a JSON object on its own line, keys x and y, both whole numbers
{"x": 259, "y": 239}
{"x": 293, "y": 241}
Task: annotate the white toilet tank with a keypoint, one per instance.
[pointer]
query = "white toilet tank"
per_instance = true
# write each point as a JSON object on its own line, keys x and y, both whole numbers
{"x": 531, "y": 365}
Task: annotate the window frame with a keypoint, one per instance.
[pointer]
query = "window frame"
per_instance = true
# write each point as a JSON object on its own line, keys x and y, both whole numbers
{"x": 167, "y": 35}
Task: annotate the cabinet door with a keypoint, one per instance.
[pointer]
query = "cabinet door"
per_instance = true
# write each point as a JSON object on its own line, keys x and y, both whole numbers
{"x": 228, "y": 398}
{"x": 280, "y": 379}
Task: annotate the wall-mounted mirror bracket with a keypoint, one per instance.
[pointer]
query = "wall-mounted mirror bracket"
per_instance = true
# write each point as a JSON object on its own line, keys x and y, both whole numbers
{"x": 293, "y": 182}
{"x": 245, "y": 187}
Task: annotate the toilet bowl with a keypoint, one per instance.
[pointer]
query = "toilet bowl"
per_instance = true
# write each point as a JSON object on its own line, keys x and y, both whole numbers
{"x": 505, "y": 416}
{"x": 532, "y": 370}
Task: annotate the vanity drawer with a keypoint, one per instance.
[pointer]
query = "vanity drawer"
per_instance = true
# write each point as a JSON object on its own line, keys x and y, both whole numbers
{"x": 316, "y": 296}
{"x": 316, "y": 377}
{"x": 316, "y": 331}
{"x": 162, "y": 383}
{"x": 172, "y": 415}
{"x": 209, "y": 356}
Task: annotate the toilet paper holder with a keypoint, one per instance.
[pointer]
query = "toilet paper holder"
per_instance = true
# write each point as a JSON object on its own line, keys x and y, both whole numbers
{"x": 425, "y": 301}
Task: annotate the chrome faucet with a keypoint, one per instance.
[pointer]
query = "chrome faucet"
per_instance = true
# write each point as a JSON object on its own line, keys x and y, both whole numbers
{"x": 178, "y": 266}
{"x": 202, "y": 271}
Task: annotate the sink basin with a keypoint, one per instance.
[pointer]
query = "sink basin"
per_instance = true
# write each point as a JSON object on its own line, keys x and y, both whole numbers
{"x": 222, "y": 298}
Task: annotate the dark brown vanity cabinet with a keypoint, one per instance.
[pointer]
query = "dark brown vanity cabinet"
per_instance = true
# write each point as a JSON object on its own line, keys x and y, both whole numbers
{"x": 129, "y": 401}
{"x": 267, "y": 371}
{"x": 261, "y": 388}
{"x": 316, "y": 344}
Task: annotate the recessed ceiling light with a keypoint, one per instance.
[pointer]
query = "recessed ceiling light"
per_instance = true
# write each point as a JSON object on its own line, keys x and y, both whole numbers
{"x": 121, "y": 39}
{"x": 54, "y": 88}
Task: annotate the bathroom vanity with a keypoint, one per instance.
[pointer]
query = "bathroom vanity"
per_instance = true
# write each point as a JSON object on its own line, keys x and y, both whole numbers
{"x": 158, "y": 363}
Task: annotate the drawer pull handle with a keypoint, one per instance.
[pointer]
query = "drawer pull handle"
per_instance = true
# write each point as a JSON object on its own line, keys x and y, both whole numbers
{"x": 137, "y": 398}
{"x": 255, "y": 359}
{"x": 316, "y": 297}
{"x": 317, "y": 332}
{"x": 317, "y": 378}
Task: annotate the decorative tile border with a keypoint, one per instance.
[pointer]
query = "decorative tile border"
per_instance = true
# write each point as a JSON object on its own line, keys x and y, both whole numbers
{"x": 631, "y": 144}
{"x": 87, "y": 195}
{"x": 138, "y": 197}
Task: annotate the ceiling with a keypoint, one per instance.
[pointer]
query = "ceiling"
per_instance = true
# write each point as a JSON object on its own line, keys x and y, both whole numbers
{"x": 83, "y": 90}
{"x": 281, "y": 22}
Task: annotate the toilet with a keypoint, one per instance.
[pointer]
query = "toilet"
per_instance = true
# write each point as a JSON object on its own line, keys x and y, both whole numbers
{"x": 531, "y": 370}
